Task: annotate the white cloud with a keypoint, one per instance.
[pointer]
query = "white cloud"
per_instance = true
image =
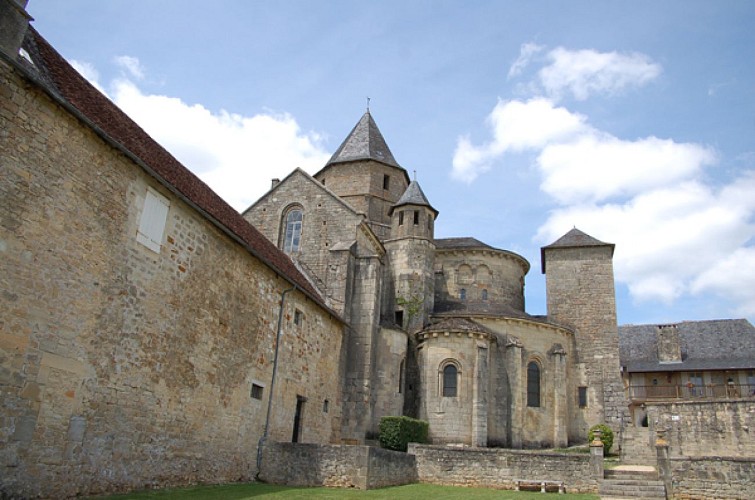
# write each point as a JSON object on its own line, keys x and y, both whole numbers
{"x": 88, "y": 71}
{"x": 236, "y": 155}
{"x": 675, "y": 234}
{"x": 584, "y": 72}
{"x": 133, "y": 68}
{"x": 526, "y": 52}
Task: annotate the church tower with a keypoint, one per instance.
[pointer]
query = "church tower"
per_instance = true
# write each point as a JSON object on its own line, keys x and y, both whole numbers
{"x": 364, "y": 173}
{"x": 581, "y": 295}
{"x": 408, "y": 294}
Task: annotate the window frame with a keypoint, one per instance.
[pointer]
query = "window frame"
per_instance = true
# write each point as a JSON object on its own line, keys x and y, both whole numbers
{"x": 293, "y": 244}
{"x": 534, "y": 390}
{"x": 445, "y": 389}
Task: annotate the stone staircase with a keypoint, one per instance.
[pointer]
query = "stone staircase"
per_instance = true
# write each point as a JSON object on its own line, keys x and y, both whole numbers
{"x": 632, "y": 481}
{"x": 636, "y": 447}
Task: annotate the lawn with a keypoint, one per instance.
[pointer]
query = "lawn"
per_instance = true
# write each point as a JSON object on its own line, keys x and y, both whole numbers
{"x": 262, "y": 491}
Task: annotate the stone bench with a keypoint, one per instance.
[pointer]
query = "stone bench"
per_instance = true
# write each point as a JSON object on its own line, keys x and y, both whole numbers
{"x": 543, "y": 485}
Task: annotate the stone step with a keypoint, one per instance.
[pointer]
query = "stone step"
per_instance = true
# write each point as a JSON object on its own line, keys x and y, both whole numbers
{"x": 632, "y": 488}
{"x": 640, "y": 475}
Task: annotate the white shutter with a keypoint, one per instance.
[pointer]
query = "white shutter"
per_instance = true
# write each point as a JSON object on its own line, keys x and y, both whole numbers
{"x": 152, "y": 223}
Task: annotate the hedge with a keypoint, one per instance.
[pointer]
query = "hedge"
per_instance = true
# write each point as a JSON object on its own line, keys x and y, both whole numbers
{"x": 397, "y": 432}
{"x": 606, "y": 436}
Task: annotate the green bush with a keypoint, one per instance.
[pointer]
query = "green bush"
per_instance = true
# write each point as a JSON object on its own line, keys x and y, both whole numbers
{"x": 606, "y": 436}
{"x": 397, "y": 432}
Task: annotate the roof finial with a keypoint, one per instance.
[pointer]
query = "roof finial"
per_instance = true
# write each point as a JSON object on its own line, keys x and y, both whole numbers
{"x": 415, "y": 176}
{"x": 368, "y": 104}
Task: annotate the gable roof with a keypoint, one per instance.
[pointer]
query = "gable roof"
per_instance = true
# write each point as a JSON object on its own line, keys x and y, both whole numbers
{"x": 51, "y": 72}
{"x": 574, "y": 239}
{"x": 413, "y": 196}
{"x": 705, "y": 345}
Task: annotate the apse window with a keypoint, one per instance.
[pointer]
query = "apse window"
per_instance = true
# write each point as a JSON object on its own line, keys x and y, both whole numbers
{"x": 257, "y": 391}
{"x": 484, "y": 294}
{"x": 533, "y": 385}
{"x": 463, "y": 294}
{"x": 152, "y": 222}
{"x": 582, "y": 396}
{"x": 450, "y": 381}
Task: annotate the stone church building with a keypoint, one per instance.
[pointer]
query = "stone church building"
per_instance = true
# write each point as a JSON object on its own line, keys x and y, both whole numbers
{"x": 437, "y": 328}
{"x": 152, "y": 336}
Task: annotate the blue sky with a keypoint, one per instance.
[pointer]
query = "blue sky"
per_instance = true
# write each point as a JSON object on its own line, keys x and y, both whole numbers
{"x": 633, "y": 121}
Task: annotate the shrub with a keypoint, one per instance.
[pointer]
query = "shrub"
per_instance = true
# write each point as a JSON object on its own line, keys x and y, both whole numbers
{"x": 397, "y": 432}
{"x": 606, "y": 436}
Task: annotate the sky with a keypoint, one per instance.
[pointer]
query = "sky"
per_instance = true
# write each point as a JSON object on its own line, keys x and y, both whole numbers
{"x": 632, "y": 121}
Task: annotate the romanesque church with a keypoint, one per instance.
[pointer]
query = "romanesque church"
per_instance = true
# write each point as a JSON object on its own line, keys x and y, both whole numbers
{"x": 437, "y": 327}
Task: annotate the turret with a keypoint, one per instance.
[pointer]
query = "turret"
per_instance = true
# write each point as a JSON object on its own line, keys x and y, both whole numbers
{"x": 413, "y": 216}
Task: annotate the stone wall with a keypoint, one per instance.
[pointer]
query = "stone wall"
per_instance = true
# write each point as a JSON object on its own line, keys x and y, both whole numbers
{"x": 713, "y": 478}
{"x": 705, "y": 428}
{"x": 499, "y": 468}
{"x": 343, "y": 466}
{"x": 122, "y": 367}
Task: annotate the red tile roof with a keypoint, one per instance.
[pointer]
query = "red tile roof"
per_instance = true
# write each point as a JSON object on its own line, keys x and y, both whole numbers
{"x": 118, "y": 127}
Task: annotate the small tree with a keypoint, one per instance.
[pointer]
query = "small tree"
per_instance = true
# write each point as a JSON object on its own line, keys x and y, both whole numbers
{"x": 606, "y": 435}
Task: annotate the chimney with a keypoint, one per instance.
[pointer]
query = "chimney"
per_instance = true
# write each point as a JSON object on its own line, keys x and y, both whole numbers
{"x": 669, "y": 347}
{"x": 13, "y": 24}
{"x": 276, "y": 181}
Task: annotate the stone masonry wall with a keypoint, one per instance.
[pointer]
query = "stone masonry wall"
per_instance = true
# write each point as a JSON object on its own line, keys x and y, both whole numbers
{"x": 499, "y": 468}
{"x": 706, "y": 428}
{"x": 713, "y": 478}
{"x": 122, "y": 367}
{"x": 343, "y": 466}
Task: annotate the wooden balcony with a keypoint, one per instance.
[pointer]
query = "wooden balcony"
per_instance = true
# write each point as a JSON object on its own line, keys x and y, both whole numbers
{"x": 686, "y": 392}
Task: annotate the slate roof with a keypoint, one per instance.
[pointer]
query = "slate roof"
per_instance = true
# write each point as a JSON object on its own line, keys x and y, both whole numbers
{"x": 461, "y": 243}
{"x": 706, "y": 345}
{"x": 458, "y": 325}
{"x": 574, "y": 239}
{"x": 413, "y": 196}
{"x": 364, "y": 142}
{"x": 456, "y": 308}
{"x": 53, "y": 73}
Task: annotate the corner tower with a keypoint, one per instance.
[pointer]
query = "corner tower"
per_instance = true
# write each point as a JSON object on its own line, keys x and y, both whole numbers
{"x": 581, "y": 295}
{"x": 364, "y": 173}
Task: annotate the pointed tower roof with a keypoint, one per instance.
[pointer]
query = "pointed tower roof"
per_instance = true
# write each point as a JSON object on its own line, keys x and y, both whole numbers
{"x": 365, "y": 142}
{"x": 574, "y": 239}
{"x": 413, "y": 196}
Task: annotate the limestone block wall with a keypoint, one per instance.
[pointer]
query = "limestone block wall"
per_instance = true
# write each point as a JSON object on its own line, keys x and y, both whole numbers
{"x": 390, "y": 374}
{"x": 712, "y": 478}
{"x": 122, "y": 367}
{"x": 707, "y": 428}
{"x": 498, "y": 468}
{"x": 499, "y": 273}
{"x": 343, "y": 466}
{"x": 581, "y": 295}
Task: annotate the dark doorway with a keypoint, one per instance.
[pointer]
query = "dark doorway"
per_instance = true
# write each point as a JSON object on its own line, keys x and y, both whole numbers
{"x": 298, "y": 418}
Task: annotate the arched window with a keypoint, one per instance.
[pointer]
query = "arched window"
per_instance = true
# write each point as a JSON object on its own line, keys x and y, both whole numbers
{"x": 533, "y": 385}
{"x": 464, "y": 274}
{"x": 450, "y": 380}
{"x": 463, "y": 294}
{"x": 292, "y": 231}
{"x": 484, "y": 294}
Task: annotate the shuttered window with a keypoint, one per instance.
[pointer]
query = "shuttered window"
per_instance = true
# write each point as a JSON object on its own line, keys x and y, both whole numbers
{"x": 152, "y": 222}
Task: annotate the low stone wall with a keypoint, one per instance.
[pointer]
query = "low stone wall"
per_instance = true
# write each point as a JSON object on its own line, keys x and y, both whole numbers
{"x": 343, "y": 466}
{"x": 500, "y": 468}
{"x": 713, "y": 478}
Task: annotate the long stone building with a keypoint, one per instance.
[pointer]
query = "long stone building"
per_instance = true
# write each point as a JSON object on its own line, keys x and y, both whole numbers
{"x": 150, "y": 335}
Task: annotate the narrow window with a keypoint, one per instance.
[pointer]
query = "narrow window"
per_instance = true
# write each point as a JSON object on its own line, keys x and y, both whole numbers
{"x": 401, "y": 218}
{"x": 416, "y": 217}
{"x": 582, "y": 396}
{"x": 398, "y": 316}
{"x": 298, "y": 317}
{"x": 484, "y": 294}
{"x": 533, "y": 385}
{"x": 257, "y": 391}
{"x": 292, "y": 234}
{"x": 152, "y": 222}
{"x": 449, "y": 381}
{"x": 463, "y": 294}
{"x": 401, "y": 375}
{"x": 325, "y": 406}
{"x": 386, "y": 181}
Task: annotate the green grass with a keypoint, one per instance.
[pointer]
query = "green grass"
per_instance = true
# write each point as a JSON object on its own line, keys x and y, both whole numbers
{"x": 262, "y": 491}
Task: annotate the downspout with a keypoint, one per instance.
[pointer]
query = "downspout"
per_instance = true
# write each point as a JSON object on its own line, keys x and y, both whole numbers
{"x": 262, "y": 440}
